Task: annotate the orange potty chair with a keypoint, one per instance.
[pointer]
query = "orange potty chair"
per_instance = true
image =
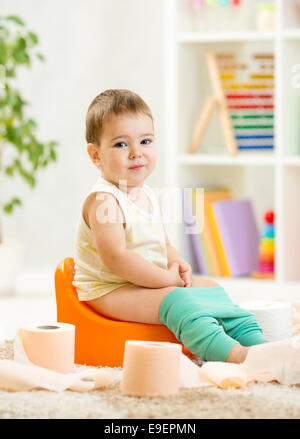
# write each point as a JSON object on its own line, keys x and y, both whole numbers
{"x": 99, "y": 340}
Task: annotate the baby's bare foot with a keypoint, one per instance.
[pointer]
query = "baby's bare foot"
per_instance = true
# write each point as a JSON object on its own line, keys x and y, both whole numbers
{"x": 237, "y": 354}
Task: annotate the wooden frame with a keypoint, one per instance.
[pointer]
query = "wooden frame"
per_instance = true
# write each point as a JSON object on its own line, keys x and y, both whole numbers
{"x": 217, "y": 99}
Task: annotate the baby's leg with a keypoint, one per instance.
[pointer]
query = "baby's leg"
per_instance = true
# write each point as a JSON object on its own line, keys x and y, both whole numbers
{"x": 262, "y": 360}
{"x": 137, "y": 304}
{"x": 206, "y": 321}
{"x": 132, "y": 303}
{"x": 203, "y": 282}
{"x": 244, "y": 332}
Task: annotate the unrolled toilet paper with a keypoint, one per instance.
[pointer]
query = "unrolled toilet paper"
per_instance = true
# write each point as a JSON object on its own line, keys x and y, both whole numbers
{"x": 44, "y": 358}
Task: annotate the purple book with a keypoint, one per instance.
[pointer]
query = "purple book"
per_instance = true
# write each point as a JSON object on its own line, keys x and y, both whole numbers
{"x": 239, "y": 235}
{"x": 191, "y": 229}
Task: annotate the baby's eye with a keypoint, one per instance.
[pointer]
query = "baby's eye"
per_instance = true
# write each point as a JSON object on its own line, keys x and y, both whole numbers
{"x": 146, "y": 140}
{"x": 120, "y": 144}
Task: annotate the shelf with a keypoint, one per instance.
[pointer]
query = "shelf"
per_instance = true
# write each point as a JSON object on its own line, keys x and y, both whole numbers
{"x": 242, "y": 159}
{"x": 245, "y": 36}
{"x": 292, "y": 161}
{"x": 270, "y": 178}
{"x": 291, "y": 34}
{"x": 238, "y": 36}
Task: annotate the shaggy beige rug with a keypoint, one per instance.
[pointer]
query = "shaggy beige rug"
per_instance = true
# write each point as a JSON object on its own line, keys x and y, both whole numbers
{"x": 255, "y": 401}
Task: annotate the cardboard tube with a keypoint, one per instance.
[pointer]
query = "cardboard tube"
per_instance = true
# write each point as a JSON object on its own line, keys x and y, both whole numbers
{"x": 151, "y": 368}
{"x": 47, "y": 345}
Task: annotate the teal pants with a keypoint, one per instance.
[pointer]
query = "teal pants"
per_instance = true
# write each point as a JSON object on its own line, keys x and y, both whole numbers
{"x": 208, "y": 323}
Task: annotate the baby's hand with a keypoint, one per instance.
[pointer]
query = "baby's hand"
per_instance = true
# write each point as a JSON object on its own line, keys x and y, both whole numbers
{"x": 176, "y": 279}
{"x": 185, "y": 271}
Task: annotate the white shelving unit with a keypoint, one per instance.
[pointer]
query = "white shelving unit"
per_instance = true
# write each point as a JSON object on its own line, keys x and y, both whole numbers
{"x": 270, "y": 179}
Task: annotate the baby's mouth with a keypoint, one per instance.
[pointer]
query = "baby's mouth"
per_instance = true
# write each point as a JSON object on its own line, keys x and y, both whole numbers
{"x": 137, "y": 167}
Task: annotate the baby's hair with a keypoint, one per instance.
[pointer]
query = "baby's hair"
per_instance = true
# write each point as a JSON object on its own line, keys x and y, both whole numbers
{"x": 110, "y": 103}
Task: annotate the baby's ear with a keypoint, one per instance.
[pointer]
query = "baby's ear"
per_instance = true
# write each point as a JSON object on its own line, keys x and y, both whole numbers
{"x": 93, "y": 152}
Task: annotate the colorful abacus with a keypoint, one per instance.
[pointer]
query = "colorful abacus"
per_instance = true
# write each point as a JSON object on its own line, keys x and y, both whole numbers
{"x": 244, "y": 97}
{"x": 250, "y": 100}
{"x": 266, "y": 249}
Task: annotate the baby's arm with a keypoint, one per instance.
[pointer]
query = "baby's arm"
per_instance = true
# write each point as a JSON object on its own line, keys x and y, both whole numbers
{"x": 110, "y": 242}
{"x": 185, "y": 269}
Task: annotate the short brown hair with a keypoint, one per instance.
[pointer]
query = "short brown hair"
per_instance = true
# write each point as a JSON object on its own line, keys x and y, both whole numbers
{"x": 110, "y": 103}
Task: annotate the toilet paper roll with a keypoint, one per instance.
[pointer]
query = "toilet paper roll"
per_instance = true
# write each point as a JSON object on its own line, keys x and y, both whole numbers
{"x": 48, "y": 345}
{"x": 151, "y": 368}
{"x": 274, "y": 317}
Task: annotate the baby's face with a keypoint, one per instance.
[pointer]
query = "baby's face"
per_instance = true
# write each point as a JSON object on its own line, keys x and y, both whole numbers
{"x": 128, "y": 141}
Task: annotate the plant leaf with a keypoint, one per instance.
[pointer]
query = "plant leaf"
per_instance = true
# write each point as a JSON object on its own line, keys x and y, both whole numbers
{"x": 15, "y": 19}
{"x": 53, "y": 155}
{"x": 9, "y": 207}
{"x": 33, "y": 37}
{"x": 40, "y": 56}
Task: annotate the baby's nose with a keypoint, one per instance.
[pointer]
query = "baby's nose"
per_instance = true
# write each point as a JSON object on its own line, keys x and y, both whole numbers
{"x": 135, "y": 152}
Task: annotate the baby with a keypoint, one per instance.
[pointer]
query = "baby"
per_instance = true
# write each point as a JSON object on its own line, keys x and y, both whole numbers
{"x": 125, "y": 265}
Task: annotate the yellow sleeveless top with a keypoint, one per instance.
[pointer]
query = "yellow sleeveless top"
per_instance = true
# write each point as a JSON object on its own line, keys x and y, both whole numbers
{"x": 144, "y": 234}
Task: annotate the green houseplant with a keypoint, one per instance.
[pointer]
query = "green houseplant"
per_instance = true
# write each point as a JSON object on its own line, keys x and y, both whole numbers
{"x": 21, "y": 152}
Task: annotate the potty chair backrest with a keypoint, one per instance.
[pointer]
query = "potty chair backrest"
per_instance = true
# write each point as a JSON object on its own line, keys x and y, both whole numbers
{"x": 67, "y": 303}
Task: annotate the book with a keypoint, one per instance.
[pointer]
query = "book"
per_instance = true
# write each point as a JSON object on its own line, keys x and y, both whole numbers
{"x": 212, "y": 194}
{"x": 198, "y": 209}
{"x": 218, "y": 241}
{"x": 238, "y": 234}
{"x": 192, "y": 230}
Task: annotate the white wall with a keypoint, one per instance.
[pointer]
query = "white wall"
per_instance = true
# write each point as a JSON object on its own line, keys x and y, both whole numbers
{"x": 89, "y": 46}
